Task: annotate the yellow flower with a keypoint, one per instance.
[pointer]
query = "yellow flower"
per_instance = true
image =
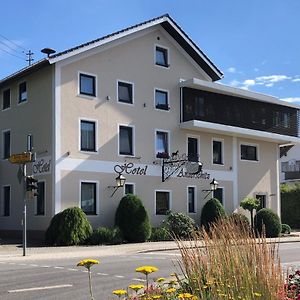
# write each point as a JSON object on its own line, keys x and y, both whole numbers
{"x": 156, "y": 297}
{"x": 171, "y": 290}
{"x": 136, "y": 287}
{"x": 87, "y": 263}
{"x": 257, "y": 294}
{"x": 146, "y": 269}
{"x": 185, "y": 296}
{"x": 160, "y": 279}
{"x": 119, "y": 292}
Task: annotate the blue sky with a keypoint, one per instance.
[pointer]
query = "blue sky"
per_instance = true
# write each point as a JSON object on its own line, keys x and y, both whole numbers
{"x": 255, "y": 43}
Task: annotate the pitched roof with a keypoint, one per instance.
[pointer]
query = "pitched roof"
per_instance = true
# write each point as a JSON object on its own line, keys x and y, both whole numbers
{"x": 169, "y": 25}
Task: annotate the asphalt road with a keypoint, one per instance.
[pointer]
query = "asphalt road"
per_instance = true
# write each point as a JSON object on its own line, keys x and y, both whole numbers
{"x": 61, "y": 279}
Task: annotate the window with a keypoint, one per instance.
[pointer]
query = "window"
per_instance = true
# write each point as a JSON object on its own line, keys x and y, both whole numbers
{"x": 162, "y": 203}
{"x": 249, "y": 152}
{"x": 6, "y": 201}
{"x": 22, "y": 92}
{"x": 192, "y": 149}
{"x": 161, "y": 100}
{"x": 40, "y": 199}
{"x": 6, "y": 144}
{"x": 87, "y": 136}
{"x": 217, "y": 152}
{"x": 126, "y": 140}
{"x": 129, "y": 188}
{"x": 6, "y": 99}
{"x": 262, "y": 201}
{"x": 191, "y": 199}
{"x": 218, "y": 194}
{"x": 162, "y": 144}
{"x": 88, "y": 197}
{"x": 125, "y": 92}
{"x": 161, "y": 57}
{"x": 87, "y": 85}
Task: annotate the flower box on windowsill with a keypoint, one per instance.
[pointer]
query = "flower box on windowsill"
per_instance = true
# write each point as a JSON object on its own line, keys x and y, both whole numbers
{"x": 162, "y": 106}
{"x": 162, "y": 155}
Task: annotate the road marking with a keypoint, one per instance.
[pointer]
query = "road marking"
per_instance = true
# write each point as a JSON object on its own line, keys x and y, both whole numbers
{"x": 22, "y": 265}
{"x": 138, "y": 279}
{"x": 104, "y": 274}
{"x": 119, "y": 276}
{"x": 33, "y": 265}
{"x": 60, "y": 268}
{"x": 73, "y": 269}
{"x": 46, "y": 266}
{"x": 11, "y": 263}
{"x": 41, "y": 288}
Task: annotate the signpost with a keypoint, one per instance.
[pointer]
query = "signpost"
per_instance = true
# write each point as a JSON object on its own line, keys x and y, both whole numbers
{"x": 22, "y": 159}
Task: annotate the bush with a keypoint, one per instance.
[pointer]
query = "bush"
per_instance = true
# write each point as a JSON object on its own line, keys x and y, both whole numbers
{"x": 211, "y": 212}
{"x": 106, "y": 236}
{"x": 290, "y": 204}
{"x": 132, "y": 219}
{"x": 160, "y": 234}
{"x": 268, "y": 219}
{"x": 69, "y": 227}
{"x": 180, "y": 225}
{"x": 240, "y": 220}
{"x": 285, "y": 229}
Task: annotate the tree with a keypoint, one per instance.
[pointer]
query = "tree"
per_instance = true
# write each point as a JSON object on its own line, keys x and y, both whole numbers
{"x": 250, "y": 204}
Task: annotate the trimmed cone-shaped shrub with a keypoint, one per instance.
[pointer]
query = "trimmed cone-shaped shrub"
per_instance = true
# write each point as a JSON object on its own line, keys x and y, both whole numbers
{"x": 267, "y": 220}
{"x": 212, "y": 211}
{"x": 180, "y": 224}
{"x": 69, "y": 227}
{"x": 132, "y": 219}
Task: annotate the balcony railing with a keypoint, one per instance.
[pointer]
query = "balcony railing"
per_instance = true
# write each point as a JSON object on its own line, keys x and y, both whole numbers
{"x": 239, "y": 112}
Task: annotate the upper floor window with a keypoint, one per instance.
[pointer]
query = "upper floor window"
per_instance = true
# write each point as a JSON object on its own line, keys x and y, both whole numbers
{"x": 88, "y": 197}
{"x": 161, "y": 57}
{"x": 125, "y": 92}
{"x": 162, "y": 144}
{"x": 6, "y": 99}
{"x": 87, "y": 136}
{"x": 87, "y": 85}
{"x": 126, "y": 140}
{"x": 161, "y": 100}
{"x": 6, "y": 144}
{"x": 22, "y": 92}
{"x": 249, "y": 152}
{"x": 217, "y": 152}
{"x": 192, "y": 147}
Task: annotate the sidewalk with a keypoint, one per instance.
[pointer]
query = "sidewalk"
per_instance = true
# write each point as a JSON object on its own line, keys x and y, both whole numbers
{"x": 15, "y": 251}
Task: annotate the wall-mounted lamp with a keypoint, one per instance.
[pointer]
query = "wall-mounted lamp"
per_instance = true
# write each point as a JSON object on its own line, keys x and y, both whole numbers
{"x": 213, "y": 186}
{"x": 120, "y": 181}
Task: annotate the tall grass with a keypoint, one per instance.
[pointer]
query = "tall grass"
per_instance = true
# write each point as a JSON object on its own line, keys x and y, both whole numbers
{"x": 226, "y": 262}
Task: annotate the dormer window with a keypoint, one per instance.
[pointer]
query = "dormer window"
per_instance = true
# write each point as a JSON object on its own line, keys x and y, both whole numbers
{"x": 161, "y": 57}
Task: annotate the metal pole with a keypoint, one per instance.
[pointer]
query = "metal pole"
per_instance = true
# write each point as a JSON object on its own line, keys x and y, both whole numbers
{"x": 24, "y": 212}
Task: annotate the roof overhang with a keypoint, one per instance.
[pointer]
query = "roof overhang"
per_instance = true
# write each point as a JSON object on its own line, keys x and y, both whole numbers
{"x": 239, "y": 132}
{"x": 218, "y": 88}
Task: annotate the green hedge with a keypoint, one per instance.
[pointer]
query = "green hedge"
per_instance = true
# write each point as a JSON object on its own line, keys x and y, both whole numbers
{"x": 290, "y": 204}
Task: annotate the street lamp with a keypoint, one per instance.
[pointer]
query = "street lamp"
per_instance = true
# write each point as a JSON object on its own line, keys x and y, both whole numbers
{"x": 213, "y": 186}
{"x": 120, "y": 181}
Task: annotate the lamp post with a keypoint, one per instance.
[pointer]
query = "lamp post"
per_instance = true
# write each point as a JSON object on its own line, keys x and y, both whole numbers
{"x": 213, "y": 186}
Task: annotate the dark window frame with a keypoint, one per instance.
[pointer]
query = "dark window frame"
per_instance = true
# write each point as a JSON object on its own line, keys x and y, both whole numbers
{"x": 192, "y": 156}
{"x": 94, "y": 184}
{"x": 132, "y": 186}
{"x": 219, "y": 160}
{"x": 246, "y": 154}
{"x": 22, "y": 90}
{"x": 191, "y": 208}
{"x": 162, "y": 212}
{"x": 130, "y": 88}
{"x": 164, "y": 106}
{"x": 222, "y": 193}
{"x": 41, "y": 199}
{"x": 93, "y": 92}
{"x": 88, "y": 149}
{"x": 6, "y": 148}
{"x": 165, "y": 53}
{"x": 6, "y": 202}
{"x": 6, "y": 99}
{"x": 262, "y": 198}
{"x": 130, "y": 135}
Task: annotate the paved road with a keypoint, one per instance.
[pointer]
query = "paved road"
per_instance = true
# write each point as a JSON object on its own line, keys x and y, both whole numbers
{"x": 61, "y": 279}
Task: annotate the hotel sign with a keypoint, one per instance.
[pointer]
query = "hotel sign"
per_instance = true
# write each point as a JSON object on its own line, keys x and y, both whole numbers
{"x": 42, "y": 166}
{"x": 130, "y": 169}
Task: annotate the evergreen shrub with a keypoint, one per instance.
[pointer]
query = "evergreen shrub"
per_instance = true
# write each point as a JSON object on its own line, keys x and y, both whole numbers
{"x": 285, "y": 229}
{"x": 180, "y": 225}
{"x": 106, "y": 236}
{"x": 160, "y": 234}
{"x": 211, "y": 212}
{"x": 69, "y": 227}
{"x": 240, "y": 220}
{"x": 132, "y": 219}
{"x": 267, "y": 220}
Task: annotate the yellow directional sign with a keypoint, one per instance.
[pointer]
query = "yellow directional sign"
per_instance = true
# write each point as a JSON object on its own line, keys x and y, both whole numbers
{"x": 21, "y": 158}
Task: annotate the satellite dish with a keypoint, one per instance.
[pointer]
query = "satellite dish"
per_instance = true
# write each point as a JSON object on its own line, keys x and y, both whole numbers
{"x": 48, "y": 51}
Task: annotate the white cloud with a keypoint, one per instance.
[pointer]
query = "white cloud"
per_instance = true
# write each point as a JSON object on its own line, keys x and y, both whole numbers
{"x": 296, "y": 80}
{"x": 231, "y": 70}
{"x": 269, "y": 84}
{"x": 249, "y": 82}
{"x": 234, "y": 83}
{"x": 272, "y": 78}
{"x": 291, "y": 99}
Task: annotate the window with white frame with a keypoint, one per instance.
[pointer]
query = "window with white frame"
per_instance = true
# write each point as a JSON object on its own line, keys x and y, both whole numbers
{"x": 22, "y": 92}
{"x": 40, "y": 199}
{"x": 6, "y": 140}
{"x": 162, "y": 144}
{"x": 126, "y": 140}
{"x": 191, "y": 199}
{"x": 6, "y": 99}
{"x": 87, "y": 85}
{"x": 161, "y": 56}
{"x": 6, "y": 201}
{"x": 89, "y": 197}
{"x": 129, "y": 188}
{"x": 217, "y": 152}
{"x": 125, "y": 92}
{"x": 162, "y": 202}
{"x": 161, "y": 100}
{"x": 218, "y": 194}
{"x": 249, "y": 152}
{"x": 87, "y": 136}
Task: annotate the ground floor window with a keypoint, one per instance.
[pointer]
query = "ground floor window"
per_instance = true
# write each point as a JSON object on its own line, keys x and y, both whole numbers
{"x": 191, "y": 199}
{"x": 129, "y": 188}
{"x": 162, "y": 202}
{"x": 40, "y": 199}
{"x": 262, "y": 201}
{"x": 218, "y": 194}
{"x": 6, "y": 201}
{"x": 88, "y": 197}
